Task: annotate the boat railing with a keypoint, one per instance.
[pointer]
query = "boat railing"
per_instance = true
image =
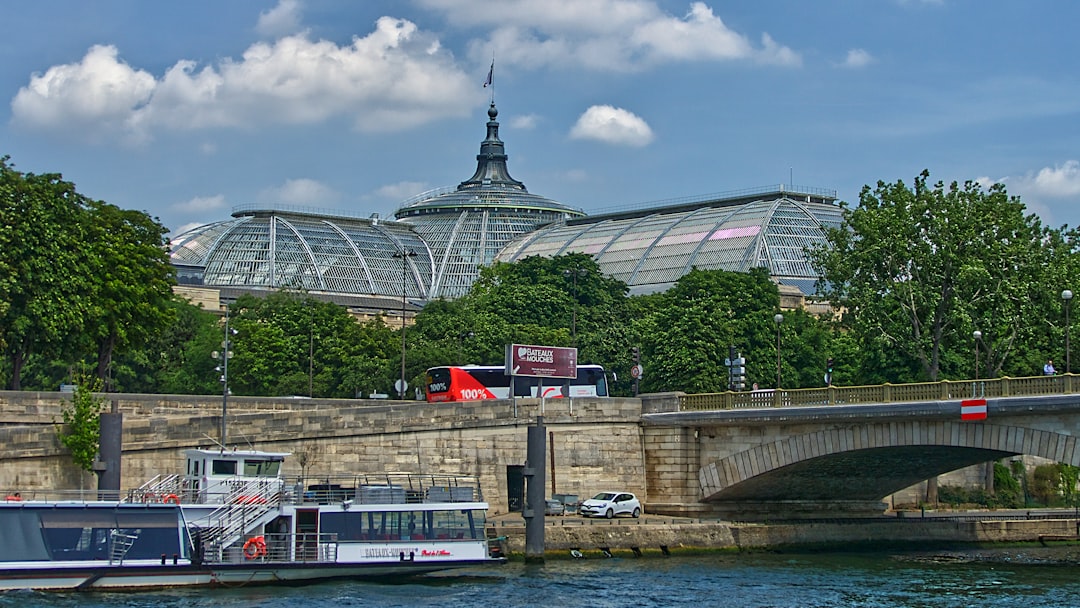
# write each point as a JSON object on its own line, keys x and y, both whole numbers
{"x": 386, "y": 488}
{"x": 283, "y": 547}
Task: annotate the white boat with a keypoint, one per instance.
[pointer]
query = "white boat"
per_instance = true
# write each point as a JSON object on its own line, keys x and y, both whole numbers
{"x": 232, "y": 519}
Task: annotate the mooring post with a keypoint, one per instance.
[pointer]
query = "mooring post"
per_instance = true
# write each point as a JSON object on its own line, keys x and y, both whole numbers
{"x": 111, "y": 446}
{"x": 535, "y": 482}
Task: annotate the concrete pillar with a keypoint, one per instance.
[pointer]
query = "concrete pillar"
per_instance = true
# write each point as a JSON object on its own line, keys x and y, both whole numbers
{"x": 535, "y": 482}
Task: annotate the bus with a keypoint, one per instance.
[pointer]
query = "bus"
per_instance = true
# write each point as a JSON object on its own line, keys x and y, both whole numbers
{"x": 477, "y": 382}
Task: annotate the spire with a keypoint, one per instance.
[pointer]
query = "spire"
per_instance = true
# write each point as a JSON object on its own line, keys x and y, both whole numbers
{"x": 491, "y": 162}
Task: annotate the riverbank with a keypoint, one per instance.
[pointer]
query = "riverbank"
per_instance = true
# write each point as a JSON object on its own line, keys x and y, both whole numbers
{"x": 569, "y": 536}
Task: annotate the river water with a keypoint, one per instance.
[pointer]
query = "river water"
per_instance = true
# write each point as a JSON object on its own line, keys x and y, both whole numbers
{"x": 1021, "y": 577}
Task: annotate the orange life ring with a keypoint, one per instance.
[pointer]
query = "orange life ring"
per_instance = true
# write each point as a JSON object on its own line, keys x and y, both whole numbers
{"x": 255, "y": 547}
{"x": 14, "y": 497}
{"x": 173, "y": 498}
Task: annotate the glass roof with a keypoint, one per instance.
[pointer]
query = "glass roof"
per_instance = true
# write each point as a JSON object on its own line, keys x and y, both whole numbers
{"x": 289, "y": 250}
{"x": 651, "y": 250}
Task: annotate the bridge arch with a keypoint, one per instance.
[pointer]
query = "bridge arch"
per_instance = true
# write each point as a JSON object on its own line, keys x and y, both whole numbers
{"x": 866, "y": 462}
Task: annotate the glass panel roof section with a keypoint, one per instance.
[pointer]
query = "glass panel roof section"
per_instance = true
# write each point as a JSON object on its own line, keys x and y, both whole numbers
{"x": 650, "y": 251}
{"x": 291, "y": 250}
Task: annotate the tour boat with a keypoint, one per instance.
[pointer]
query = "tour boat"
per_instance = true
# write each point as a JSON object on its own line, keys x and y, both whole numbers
{"x": 233, "y": 519}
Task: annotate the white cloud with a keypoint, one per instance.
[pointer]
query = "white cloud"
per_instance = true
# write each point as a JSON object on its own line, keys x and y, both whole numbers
{"x": 857, "y": 58}
{"x": 282, "y": 19}
{"x": 619, "y": 35}
{"x": 528, "y": 121}
{"x": 401, "y": 191}
{"x": 612, "y": 125}
{"x": 201, "y": 204}
{"x": 396, "y": 77}
{"x": 98, "y": 95}
{"x": 301, "y": 191}
{"x": 1054, "y": 182}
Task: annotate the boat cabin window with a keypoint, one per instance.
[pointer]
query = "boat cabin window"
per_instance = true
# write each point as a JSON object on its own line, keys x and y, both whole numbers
{"x": 224, "y": 467}
{"x": 261, "y": 468}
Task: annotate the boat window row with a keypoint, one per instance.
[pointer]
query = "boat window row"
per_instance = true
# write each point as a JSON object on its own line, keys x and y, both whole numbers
{"x": 404, "y": 525}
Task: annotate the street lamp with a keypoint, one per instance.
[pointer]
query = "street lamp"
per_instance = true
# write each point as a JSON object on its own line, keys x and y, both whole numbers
{"x": 575, "y": 273}
{"x": 223, "y": 367}
{"x": 779, "y": 318}
{"x": 404, "y": 254}
{"x": 1067, "y": 296}
{"x": 978, "y": 336}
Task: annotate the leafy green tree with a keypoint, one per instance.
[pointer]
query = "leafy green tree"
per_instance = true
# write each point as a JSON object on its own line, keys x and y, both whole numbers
{"x": 81, "y": 432}
{"x": 132, "y": 286}
{"x": 920, "y": 268}
{"x": 43, "y": 267}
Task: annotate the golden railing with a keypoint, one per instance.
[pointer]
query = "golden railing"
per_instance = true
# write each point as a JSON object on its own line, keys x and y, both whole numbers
{"x": 884, "y": 393}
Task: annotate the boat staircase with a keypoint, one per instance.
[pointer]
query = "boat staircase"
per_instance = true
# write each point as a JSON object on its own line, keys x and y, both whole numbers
{"x": 247, "y": 507}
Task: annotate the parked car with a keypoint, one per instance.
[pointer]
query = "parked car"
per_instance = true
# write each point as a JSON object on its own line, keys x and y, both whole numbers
{"x": 554, "y": 507}
{"x": 610, "y": 504}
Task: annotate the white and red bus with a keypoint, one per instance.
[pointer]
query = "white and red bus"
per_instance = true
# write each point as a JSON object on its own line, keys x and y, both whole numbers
{"x": 477, "y": 382}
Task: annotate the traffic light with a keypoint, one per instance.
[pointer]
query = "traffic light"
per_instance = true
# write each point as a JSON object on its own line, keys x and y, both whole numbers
{"x": 829, "y": 365}
{"x": 635, "y": 354}
{"x": 738, "y": 374}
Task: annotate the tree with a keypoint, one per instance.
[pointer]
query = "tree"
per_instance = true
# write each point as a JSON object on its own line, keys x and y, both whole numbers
{"x": 132, "y": 282}
{"x": 918, "y": 269}
{"x": 691, "y": 326}
{"x": 43, "y": 267}
{"x": 81, "y": 433}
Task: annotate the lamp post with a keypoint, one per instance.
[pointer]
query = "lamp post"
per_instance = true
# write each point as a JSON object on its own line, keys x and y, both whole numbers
{"x": 1067, "y": 296}
{"x": 223, "y": 367}
{"x": 779, "y": 318}
{"x": 978, "y": 336}
{"x": 575, "y": 273}
{"x": 404, "y": 254}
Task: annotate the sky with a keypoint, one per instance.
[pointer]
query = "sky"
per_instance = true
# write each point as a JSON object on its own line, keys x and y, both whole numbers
{"x": 188, "y": 110}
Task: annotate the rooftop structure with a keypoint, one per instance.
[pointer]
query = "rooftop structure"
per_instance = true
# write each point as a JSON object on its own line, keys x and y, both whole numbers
{"x": 467, "y": 227}
{"x": 651, "y": 248}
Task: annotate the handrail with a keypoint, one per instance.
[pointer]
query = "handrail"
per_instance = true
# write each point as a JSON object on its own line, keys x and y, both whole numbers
{"x": 883, "y": 393}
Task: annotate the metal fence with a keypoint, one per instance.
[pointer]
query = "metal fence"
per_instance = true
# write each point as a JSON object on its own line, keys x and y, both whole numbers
{"x": 883, "y": 393}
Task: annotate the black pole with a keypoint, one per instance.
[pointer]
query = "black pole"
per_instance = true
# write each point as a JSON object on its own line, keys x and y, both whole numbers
{"x": 110, "y": 447}
{"x": 533, "y": 510}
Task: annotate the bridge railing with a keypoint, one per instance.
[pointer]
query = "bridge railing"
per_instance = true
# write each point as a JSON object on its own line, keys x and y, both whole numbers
{"x": 884, "y": 393}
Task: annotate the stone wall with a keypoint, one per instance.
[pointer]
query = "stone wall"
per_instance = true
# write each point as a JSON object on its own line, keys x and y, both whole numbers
{"x": 597, "y": 442}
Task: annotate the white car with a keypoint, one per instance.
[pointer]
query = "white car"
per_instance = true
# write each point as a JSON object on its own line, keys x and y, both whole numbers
{"x": 610, "y": 504}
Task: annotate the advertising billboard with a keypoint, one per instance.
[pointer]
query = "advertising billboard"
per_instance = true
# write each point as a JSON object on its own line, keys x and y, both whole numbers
{"x": 541, "y": 361}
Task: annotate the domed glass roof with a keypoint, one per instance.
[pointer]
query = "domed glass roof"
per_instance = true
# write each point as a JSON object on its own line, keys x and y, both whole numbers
{"x": 651, "y": 249}
{"x": 295, "y": 249}
{"x": 467, "y": 226}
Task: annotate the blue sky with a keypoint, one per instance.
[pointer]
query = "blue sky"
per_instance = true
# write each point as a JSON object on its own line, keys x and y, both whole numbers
{"x": 189, "y": 109}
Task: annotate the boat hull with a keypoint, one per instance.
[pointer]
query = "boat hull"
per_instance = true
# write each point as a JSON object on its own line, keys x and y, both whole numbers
{"x": 83, "y": 577}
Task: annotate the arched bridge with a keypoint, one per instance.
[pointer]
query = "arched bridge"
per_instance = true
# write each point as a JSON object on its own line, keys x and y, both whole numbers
{"x": 828, "y": 459}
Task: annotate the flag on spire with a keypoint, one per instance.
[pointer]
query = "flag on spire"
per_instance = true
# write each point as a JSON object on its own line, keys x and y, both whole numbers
{"x": 491, "y": 75}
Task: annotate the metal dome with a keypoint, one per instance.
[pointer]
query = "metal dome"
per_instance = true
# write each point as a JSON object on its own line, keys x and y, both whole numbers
{"x": 278, "y": 248}
{"x": 467, "y": 226}
{"x": 650, "y": 249}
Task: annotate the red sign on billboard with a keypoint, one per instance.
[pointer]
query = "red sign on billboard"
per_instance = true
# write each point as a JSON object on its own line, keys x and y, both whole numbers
{"x": 541, "y": 361}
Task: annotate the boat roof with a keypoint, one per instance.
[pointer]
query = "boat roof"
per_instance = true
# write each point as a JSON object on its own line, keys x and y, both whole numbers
{"x": 245, "y": 454}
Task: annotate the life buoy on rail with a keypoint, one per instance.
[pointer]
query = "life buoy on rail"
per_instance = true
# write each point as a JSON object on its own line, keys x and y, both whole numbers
{"x": 255, "y": 547}
{"x": 16, "y": 497}
{"x": 173, "y": 498}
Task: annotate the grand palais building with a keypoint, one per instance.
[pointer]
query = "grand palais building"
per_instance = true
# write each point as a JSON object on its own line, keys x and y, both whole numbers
{"x": 438, "y": 241}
